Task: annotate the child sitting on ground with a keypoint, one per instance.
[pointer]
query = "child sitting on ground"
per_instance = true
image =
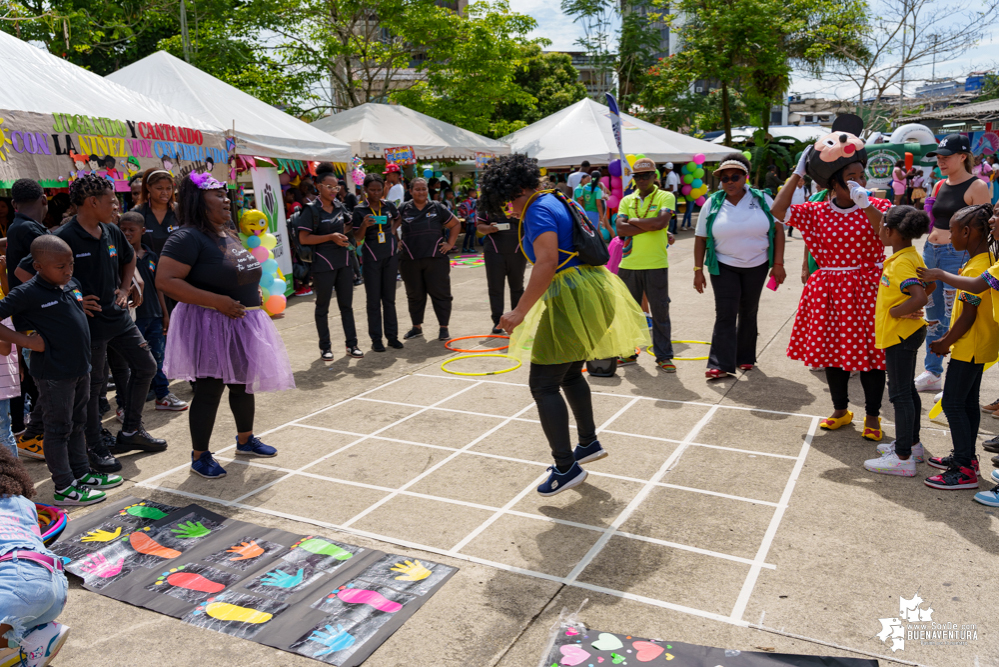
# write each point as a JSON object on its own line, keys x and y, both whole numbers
{"x": 32, "y": 583}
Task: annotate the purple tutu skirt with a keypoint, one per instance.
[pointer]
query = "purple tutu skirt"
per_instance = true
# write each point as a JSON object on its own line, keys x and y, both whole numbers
{"x": 204, "y": 343}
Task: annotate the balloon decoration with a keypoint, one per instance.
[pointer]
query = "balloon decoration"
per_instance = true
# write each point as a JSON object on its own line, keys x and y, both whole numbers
{"x": 631, "y": 159}
{"x": 694, "y": 188}
{"x": 260, "y": 242}
{"x": 699, "y": 159}
{"x": 614, "y": 168}
{"x": 747, "y": 155}
{"x": 605, "y": 183}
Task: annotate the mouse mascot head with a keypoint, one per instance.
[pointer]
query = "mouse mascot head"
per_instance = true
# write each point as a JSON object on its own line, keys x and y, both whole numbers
{"x": 837, "y": 149}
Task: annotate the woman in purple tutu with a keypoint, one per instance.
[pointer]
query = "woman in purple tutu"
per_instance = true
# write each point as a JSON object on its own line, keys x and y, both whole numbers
{"x": 219, "y": 335}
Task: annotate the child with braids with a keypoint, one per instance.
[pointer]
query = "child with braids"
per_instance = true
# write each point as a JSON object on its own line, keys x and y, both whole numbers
{"x": 973, "y": 341}
{"x": 900, "y": 331}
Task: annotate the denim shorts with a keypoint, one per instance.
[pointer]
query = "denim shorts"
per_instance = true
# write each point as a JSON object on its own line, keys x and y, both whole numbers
{"x": 30, "y": 595}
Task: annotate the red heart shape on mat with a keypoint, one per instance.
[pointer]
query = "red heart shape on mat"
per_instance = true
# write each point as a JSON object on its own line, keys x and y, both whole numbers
{"x": 647, "y": 651}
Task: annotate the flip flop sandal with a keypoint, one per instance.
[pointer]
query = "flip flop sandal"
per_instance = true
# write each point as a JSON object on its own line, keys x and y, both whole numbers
{"x": 667, "y": 366}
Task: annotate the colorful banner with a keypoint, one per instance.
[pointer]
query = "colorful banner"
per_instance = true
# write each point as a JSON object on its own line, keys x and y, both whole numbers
{"x": 267, "y": 192}
{"x": 984, "y": 143}
{"x": 482, "y": 160}
{"x": 615, "y": 118}
{"x": 403, "y": 156}
{"x": 56, "y": 148}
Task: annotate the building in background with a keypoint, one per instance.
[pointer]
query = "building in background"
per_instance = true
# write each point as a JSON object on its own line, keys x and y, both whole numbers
{"x": 598, "y": 80}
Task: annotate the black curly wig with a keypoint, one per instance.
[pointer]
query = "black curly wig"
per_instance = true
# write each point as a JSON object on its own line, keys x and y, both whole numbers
{"x": 505, "y": 179}
{"x": 14, "y": 477}
{"x": 908, "y": 221}
{"x": 88, "y": 185}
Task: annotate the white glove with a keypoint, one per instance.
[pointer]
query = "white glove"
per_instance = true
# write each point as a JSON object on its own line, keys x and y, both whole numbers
{"x": 803, "y": 160}
{"x": 858, "y": 194}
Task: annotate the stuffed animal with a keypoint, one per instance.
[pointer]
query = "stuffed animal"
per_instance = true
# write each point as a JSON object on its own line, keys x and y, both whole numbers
{"x": 837, "y": 149}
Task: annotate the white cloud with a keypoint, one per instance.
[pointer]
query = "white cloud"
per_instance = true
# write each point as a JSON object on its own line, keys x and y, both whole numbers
{"x": 553, "y": 24}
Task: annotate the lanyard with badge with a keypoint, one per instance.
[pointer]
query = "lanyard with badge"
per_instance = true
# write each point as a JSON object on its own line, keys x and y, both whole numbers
{"x": 651, "y": 198}
{"x": 380, "y": 219}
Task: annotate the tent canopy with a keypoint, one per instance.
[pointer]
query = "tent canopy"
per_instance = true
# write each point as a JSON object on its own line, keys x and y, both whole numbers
{"x": 583, "y": 132}
{"x": 260, "y": 129}
{"x": 371, "y": 128}
{"x": 39, "y": 82}
{"x": 796, "y": 132}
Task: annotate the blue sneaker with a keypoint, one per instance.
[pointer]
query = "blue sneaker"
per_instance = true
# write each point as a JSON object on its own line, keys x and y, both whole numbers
{"x": 558, "y": 482}
{"x": 207, "y": 467}
{"x": 254, "y": 447}
{"x": 995, "y": 475}
{"x": 589, "y": 453}
{"x": 990, "y": 497}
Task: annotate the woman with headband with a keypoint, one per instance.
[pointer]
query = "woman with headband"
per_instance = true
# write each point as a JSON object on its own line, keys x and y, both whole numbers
{"x": 157, "y": 204}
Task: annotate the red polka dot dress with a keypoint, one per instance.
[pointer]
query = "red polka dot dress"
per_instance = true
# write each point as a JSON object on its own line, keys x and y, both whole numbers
{"x": 834, "y": 326}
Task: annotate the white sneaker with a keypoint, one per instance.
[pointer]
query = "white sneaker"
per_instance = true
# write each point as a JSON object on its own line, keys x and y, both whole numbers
{"x": 42, "y": 644}
{"x": 171, "y": 402}
{"x": 927, "y": 381}
{"x": 918, "y": 453}
{"x": 890, "y": 464}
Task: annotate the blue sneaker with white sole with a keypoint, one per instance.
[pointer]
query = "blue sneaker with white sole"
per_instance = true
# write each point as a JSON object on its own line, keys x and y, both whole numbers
{"x": 990, "y": 497}
{"x": 589, "y": 453}
{"x": 207, "y": 466}
{"x": 254, "y": 447}
{"x": 558, "y": 482}
{"x": 995, "y": 475}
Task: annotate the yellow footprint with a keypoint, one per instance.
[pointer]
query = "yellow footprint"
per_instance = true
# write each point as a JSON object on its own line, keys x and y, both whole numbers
{"x": 230, "y": 612}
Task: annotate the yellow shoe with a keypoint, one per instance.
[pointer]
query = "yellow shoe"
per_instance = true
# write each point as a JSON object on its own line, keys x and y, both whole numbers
{"x": 30, "y": 447}
{"x": 874, "y": 434}
{"x": 831, "y": 424}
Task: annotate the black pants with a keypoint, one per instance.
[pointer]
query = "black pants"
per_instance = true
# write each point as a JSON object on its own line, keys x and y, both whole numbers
{"x": 428, "y": 276}
{"x": 502, "y": 268}
{"x": 900, "y": 360}
{"x": 737, "y": 300}
{"x": 654, "y": 284}
{"x": 960, "y": 404}
{"x": 142, "y": 368}
{"x": 324, "y": 282}
{"x": 379, "y": 288}
{"x": 28, "y": 388}
{"x": 205, "y": 407}
{"x": 64, "y": 406}
{"x": 117, "y": 367}
{"x": 872, "y": 381}
{"x": 545, "y": 382}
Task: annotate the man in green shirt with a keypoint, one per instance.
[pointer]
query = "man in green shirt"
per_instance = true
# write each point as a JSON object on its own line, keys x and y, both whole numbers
{"x": 643, "y": 220}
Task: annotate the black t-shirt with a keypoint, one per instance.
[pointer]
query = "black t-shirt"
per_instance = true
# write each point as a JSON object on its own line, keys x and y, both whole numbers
{"x": 423, "y": 230}
{"x": 504, "y": 242}
{"x": 220, "y": 265}
{"x": 56, "y": 313}
{"x": 146, "y": 267}
{"x": 21, "y": 233}
{"x": 349, "y": 201}
{"x": 99, "y": 262}
{"x": 377, "y": 247}
{"x": 314, "y": 218}
{"x": 156, "y": 233}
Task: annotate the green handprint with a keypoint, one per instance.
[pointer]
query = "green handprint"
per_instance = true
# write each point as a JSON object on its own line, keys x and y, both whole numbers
{"x": 281, "y": 579}
{"x": 324, "y": 548}
{"x": 190, "y": 530}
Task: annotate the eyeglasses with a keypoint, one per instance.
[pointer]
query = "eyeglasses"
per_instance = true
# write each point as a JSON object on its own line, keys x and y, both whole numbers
{"x": 732, "y": 179}
{"x": 645, "y": 175}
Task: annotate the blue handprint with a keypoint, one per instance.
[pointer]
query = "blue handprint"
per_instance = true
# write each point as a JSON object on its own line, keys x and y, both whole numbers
{"x": 281, "y": 579}
{"x": 333, "y": 640}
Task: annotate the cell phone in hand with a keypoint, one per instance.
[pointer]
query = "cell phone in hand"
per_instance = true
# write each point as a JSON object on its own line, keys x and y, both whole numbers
{"x": 772, "y": 283}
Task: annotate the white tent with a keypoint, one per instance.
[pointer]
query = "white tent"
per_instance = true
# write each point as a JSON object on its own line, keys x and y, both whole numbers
{"x": 796, "y": 132}
{"x": 38, "y": 82}
{"x": 260, "y": 129}
{"x": 371, "y": 128}
{"x": 583, "y": 132}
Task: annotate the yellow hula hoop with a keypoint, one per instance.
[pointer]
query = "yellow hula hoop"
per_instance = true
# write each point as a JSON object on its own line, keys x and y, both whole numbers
{"x": 479, "y": 356}
{"x": 696, "y": 342}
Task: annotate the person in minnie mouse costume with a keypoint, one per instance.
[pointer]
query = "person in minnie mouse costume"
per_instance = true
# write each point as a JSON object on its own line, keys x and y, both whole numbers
{"x": 834, "y": 325}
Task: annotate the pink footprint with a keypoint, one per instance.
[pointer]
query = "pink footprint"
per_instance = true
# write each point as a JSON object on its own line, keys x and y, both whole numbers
{"x": 375, "y": 599}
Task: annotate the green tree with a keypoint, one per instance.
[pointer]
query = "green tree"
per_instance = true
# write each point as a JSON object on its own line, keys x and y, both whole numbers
{"x": 551, "y": 81}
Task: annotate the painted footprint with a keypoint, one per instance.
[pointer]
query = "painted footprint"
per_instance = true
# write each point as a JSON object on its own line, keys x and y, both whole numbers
{"x": 333, "y": 640}
{"x": 246, "y": 550}
{"x": 147, "y": 545}
{"x": 224, "y": 611}
{"x": 143, "y": 511}
{"x": 190, "y": 581}
{"x": 319, "y": 546}
{"x": 411, "y": 571}
{"x": 373, "y": 598}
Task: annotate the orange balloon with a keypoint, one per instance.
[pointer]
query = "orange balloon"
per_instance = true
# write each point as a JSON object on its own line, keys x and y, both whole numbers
{"x": 275, "y": 304}
{"x": 908, "y": 161}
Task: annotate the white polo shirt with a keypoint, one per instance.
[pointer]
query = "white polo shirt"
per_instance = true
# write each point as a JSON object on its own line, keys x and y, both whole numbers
{"x": 741, "y": 232}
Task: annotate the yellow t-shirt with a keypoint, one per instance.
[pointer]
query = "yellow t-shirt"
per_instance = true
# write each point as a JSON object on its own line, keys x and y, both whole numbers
{"x": 899, "y": 273}
{"x": 648, "y": 250}
{"x": 980, "y": 344}
{"x": 992, "y": 278}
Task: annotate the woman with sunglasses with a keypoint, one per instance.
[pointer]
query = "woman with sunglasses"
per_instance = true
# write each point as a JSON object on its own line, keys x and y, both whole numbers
{"x": 738, "y": 243}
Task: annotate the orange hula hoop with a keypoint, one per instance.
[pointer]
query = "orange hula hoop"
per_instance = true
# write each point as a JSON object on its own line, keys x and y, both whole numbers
{"x": 491, "y": 349}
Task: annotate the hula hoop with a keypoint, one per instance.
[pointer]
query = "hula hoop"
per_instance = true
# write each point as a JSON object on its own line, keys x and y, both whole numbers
{"x": 697, "y": 342}
{"x": 479, "y": 356}
{"x": 51, "y": 521}
{"x": 491, "y": 349}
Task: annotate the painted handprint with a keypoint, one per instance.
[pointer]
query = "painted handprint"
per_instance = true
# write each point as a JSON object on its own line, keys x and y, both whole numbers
{"x": 333, "y": 640}
{"x": 99, "y": 566}
{"x": 321, "y": 547}
{"x": 101, "y": 535}
{"x": 411, "y": 571}
{"x": 190, "y": 530}
{"x": 246, "y": 550}
{"x": 281, "y": 579}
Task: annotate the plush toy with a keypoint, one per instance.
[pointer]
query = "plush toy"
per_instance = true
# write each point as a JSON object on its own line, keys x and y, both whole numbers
{"x": 837, "y": 149}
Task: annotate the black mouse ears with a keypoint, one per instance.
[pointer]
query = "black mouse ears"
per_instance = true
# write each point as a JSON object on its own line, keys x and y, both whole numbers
{"x": 848, "y": 122}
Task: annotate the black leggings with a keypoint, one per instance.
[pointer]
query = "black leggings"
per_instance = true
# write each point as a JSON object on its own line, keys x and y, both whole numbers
{"x": 545, "y": 382}
{"x": 205, "y": 406}
{"x": 872, "y": 381}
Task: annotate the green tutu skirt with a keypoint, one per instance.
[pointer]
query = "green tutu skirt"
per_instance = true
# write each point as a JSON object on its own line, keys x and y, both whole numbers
{"x": 587, "y": 313}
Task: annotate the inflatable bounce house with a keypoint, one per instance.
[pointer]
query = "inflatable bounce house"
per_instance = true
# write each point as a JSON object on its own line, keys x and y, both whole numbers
{"x": 910, "y": 143}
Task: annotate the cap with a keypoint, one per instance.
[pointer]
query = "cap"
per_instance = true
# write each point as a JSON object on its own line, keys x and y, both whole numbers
{"x": 669, "y": 165}
{"x": 643, "y": 164}
{"x": 392, "y": 169}
{"x": 952, "y": 143}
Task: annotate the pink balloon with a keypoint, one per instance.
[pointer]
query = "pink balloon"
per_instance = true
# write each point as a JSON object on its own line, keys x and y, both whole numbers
{"x": 700, "y": 201}
{"x": 699, "y": 158}
{"x": 613, "y": 201}
{"x": 615, "y": 181}
{"x": 259, "y": 253}
{"x": 605, "y": 182}
{"x": 686, "y": 189}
